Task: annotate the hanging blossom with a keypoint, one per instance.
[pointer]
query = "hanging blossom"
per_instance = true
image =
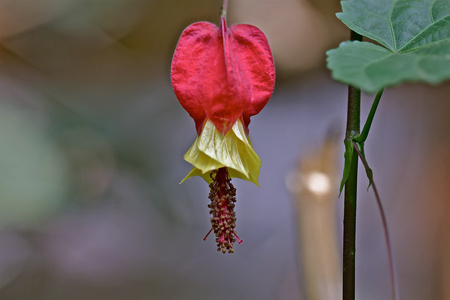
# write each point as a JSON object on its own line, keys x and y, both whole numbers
{"x": 222, "y": 76}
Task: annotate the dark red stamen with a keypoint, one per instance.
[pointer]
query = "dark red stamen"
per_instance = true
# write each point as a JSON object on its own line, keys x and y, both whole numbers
{"x": 223, "y": 196}
{"x": 207, "y": 234}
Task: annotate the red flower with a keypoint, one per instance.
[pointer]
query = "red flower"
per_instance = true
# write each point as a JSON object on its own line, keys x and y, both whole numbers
{"x": 222, "y": 73}
{"x": 222, "y": 76}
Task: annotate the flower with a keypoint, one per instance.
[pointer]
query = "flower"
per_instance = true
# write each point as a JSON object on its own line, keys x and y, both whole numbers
{"x": 222, "y": 76}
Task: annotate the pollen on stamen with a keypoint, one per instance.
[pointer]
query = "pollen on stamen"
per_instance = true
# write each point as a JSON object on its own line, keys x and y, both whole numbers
{"x": 223, "y": 195}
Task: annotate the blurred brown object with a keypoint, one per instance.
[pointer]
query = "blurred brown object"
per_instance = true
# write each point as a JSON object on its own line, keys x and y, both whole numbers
{"x": 19, "y": 16}
{"x": 94, "y": 54}
{"x": 314, "y": 185}
{"x": 327, "y": 7}
{"x": 299, "y": 33}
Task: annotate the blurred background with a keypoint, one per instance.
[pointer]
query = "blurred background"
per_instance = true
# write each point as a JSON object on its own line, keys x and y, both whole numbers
{"x": 91, "y": 154}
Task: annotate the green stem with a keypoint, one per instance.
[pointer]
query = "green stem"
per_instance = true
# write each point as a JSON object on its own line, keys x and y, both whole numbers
{"x": 349, "y": 244}
{"x": 365, "y": 132}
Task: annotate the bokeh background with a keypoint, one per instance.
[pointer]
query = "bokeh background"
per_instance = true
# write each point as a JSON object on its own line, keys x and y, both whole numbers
{"x": 91, "y": 146}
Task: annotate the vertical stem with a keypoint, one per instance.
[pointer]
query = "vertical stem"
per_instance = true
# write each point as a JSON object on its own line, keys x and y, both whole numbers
{"x": 224, "y": 8}
{"x": 349, "y": 244}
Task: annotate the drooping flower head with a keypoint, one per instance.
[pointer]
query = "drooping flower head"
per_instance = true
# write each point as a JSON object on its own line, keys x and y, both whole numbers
{"x": 222, "y": 76}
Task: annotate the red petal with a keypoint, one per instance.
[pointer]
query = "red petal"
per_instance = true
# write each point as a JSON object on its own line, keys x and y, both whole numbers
{"x": 222, "y": 73}
{"x": 257, "y": 65}
{"x": 188, "y": 63}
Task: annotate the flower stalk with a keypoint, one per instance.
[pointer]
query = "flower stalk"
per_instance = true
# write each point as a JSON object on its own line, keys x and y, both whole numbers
{"x": 224, "y": 8}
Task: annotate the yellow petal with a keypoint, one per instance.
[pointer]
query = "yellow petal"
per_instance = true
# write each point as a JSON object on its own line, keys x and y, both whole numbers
{"x": 213, "y": 150}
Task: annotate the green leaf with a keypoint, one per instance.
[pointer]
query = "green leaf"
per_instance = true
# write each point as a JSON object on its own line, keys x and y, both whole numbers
{"x": 416, "y": 39}
{"x": 348, "y": 157}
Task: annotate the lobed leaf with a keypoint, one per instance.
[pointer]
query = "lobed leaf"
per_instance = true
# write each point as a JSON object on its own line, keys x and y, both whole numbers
{"x": 416, "y": 39}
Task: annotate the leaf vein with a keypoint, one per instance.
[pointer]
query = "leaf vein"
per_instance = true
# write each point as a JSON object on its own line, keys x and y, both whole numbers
{"x": 431, "y": 11}
{"x": 394, "y": 40}
{"x": 427, "y": 45}
{"x": 424, "y": 30}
